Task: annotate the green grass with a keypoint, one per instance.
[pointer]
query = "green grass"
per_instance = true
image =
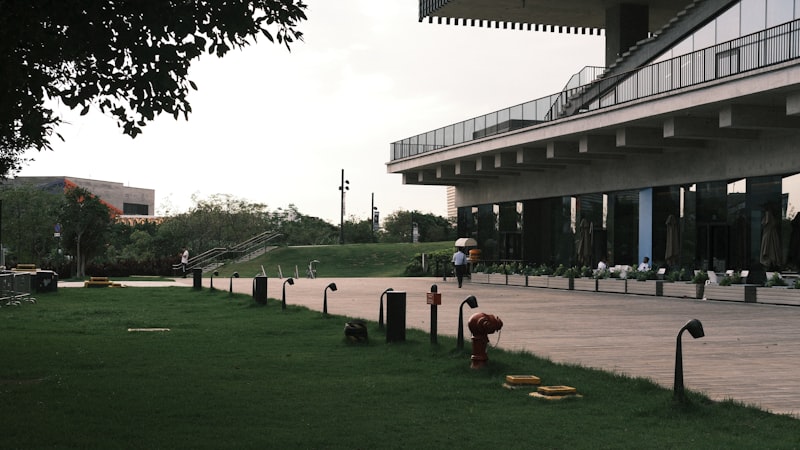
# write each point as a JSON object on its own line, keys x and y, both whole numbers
{"x": 231, "y": 374}
{"x": 349, "y": 260}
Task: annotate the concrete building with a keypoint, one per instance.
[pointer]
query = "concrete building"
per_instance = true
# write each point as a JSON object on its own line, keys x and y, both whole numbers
{"x": 123, "y": 200}
{"x": 683, "y": 149}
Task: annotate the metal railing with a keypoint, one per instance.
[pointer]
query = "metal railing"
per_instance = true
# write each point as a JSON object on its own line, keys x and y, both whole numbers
{"x": 758, "y": 50}
{"x": 217, "y": 256}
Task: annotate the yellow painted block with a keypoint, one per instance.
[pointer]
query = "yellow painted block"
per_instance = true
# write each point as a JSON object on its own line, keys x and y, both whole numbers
{"x": 522, "y": 379}
{"x": 557, "y": 390}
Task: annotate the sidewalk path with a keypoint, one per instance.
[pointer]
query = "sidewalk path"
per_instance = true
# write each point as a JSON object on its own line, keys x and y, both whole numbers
{"x": 750, "y": 353}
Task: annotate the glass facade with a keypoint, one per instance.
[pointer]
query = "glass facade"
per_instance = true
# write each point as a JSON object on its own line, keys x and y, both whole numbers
{"x": 720, "y": 225}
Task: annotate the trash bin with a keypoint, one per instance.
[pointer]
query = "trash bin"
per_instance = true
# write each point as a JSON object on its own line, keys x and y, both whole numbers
{"x": 395, "y": 316}
{"x": 260, "y": 289}
{"x": 45, "y": 281}
{"x": 197, "y": 282}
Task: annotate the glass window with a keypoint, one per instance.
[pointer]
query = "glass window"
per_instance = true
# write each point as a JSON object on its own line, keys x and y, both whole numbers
{"x": 753, "y": 16}
{"x": 779, "y": 11}
{"x": 458, "y": 133}
{"x": 439, "y": 138}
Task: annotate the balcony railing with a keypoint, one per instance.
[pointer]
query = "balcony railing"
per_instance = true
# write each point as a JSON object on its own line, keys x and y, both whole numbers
{"x": 758, "y": 50}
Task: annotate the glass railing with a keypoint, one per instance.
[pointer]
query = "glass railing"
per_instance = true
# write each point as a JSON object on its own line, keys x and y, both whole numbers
{"x": 589, "y": 91}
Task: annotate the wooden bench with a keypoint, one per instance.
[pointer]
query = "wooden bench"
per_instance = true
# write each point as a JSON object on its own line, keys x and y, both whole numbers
{"x": 100, "y": 282}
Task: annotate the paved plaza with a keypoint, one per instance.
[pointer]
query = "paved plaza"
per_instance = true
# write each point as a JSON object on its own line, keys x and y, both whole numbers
{"x": 750, "y": 352}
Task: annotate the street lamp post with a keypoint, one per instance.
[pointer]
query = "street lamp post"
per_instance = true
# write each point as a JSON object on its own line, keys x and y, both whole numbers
{"x": 473, "y": 303}
{"x": 380, "y": 309}
{"x": 289, "y": 280}
{"x": 234, "y": 275}
{"x": 343, "y": 187}
{"x": 332, "y": 287}
{"x": 696, "y": 330}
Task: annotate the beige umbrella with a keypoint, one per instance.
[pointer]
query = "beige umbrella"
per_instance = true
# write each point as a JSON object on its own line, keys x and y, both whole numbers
{"x": 771, "y": 253}
{"x": 672, "y": 254}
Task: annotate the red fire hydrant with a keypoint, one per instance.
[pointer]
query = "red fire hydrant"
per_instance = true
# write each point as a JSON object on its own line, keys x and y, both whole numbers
{"x": 481, "y": 325}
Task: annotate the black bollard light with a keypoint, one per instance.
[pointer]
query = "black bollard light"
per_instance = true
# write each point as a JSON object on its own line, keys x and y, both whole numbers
{"x": 283, "y": 295}
{"x": 380, "y": 309}
{"x": 234, "y": 275}
{"x": 434, "y": 298}
{"x": 473, "y": 303}
{"x": 696, "y": 330}
{"x": 213, "y": 274}
{"x": 332, "y": 287}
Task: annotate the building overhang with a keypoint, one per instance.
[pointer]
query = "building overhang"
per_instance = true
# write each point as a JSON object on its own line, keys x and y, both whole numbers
{"x": 575, "y": 16}
{"x": 735, "y": 109}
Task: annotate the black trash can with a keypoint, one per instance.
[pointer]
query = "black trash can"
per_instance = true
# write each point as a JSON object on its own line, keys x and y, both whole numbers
{"x": 395, "y": 316}
{"x": 260, "y": 289}
{"x": 197, "y": 275}
{"x": 44, "y": 281}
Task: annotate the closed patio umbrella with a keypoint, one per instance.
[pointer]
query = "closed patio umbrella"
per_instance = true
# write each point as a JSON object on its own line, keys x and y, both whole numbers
{"x": 672, "y": 253}
{"x": 771, "y": 253}
{"x": 585, "y": 243}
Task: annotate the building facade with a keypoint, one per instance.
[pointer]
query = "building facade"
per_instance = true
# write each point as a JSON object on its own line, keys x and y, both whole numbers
{"x": 123, "y": 200}
{"x": 682, "y": 149}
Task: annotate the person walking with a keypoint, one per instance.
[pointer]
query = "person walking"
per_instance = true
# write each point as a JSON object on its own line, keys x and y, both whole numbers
{"x": 184, "y": 260}
{"x": 460, "y": 264}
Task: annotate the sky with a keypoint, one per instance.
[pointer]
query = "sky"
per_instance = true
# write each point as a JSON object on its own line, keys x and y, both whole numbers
{"x": 277, "y": 127}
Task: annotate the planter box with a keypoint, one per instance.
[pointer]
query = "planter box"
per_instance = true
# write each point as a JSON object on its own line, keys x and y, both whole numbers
{"x": 517, "y": 280}
{"x": 560, "y": 283}
{"x": 584, "y": 284}
{"x": 612, "y": 285}
{"x": 496, "y": 278}
{"x": 734, "y": 293}
{"x": 778, "y": 295}
{"x": 647, "y": 287}
{"x": 479, "y": 277}
{"x": 538, "y": 281}
{"x": 682, "y": 290}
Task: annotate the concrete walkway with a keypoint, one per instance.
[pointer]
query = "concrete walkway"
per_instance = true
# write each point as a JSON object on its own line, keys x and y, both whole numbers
{"x": 751, "y": 352}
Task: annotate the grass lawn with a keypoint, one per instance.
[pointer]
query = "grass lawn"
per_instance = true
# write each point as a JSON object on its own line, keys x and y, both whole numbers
{"x": 350, "y": 260}
{"x": 231, "y": 374}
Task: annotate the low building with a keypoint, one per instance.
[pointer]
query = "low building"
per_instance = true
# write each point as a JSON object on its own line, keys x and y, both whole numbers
{"x": 123, "y": 200}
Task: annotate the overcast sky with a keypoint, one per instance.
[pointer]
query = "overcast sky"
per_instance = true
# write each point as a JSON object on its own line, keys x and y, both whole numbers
{"x": 275, "y": 127}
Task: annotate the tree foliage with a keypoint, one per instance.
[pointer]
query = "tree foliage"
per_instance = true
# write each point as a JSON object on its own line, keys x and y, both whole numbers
{"x": 29, "y": 216}
{"x": 398, "y": 225}
{"x": 130, "y": 59}
{"x": 86, "y": 221}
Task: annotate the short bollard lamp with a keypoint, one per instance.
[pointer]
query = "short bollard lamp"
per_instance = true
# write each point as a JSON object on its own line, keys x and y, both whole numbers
{"x": 380, "y": 308}
{"x": 473, "y": 303}
{"x": 695, "y": 328}
{"x": 332, "y": 287}
{"x": 233, "y": 275}
{"x": 213, "y": 274}
{"x": 289, "y": 280}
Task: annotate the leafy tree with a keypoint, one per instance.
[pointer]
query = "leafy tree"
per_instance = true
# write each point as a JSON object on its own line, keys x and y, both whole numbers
{"x": 28, "y": 217}
{"x": 300, "y": 229}
{"x": 358, "y": 231}
{"x": 130, "y": 59}
{"x": 86, "y": 221}
{"x": 431, "y": 228}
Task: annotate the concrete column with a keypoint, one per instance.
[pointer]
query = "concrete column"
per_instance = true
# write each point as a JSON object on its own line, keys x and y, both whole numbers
{"x": 645, "y": 224}
{"x": 626, "y": 24}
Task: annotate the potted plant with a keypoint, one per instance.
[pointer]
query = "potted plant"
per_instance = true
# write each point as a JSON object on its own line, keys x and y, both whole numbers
{"x": 585, "y": 280}
{"x": 644, "y": 282}
{"x": 540, "y": 276}
{"x": 679, "y": 283}
{"x": 562, "y": 278}
{"x": 728, "y": 291}
{"x": 779, "y": 292}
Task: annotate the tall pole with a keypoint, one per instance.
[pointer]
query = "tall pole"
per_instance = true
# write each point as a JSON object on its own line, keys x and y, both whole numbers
{"x": 344, "y": 186}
